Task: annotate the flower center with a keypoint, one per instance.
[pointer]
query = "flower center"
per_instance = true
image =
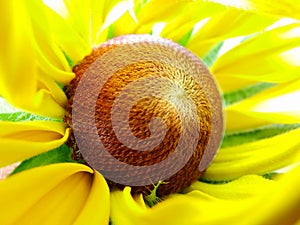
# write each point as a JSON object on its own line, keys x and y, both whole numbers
{"x": 144, "y": 110}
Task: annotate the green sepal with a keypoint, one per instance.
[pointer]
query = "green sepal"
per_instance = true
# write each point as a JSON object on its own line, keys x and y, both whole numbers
{"x": 111, "y": 32}
{"x": 23, "y": 116}
{"x": 246, "y": 92}
{"x": 140, "y": 5}
{"x": 68, "y": 58}
{"x": 212, "y": 55}
{"x": 59, "y": 155}
{"x": 185, "y": 38}
{"x": 268, "y": 176}
{"x": 12, "y": 114}
{"x": 238, "y": 138}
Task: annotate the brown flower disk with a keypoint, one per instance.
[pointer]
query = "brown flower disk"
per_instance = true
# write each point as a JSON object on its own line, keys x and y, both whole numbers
{"x": 208, "y": 106}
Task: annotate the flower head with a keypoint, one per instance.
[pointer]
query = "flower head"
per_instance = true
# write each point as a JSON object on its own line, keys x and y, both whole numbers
{"x": 250, "y": 48}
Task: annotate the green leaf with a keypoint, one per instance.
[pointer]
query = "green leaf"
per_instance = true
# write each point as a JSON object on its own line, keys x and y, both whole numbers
{"x": 241, "y": 94}
{"x": 58, "y": 155}
{"x": 212, "y": 55}
{"x": 238, "y": 138}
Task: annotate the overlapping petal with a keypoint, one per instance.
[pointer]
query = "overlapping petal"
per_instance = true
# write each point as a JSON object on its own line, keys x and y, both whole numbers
{"x": 21, "y": 140}
{"x": 55, "y": 37}
{"x": 283, "y": 8}
{"x": 146, "y": 14}
{"x": 281, "y": 204}
{"x": 266, "y": 57}
{"x": 229, "y": 23}
{"x": 199, "y": 207}
{"x": 274, "y": 105}
{"x": 156, "y": 17}
{"x": 66, "y": 193}
{"x": 86, "y": 22}
{"x": 194, "y": 207}
{"x": 259, "y": 157}
{"x": 19, "y": 69}
{"x": 184, "y": 24}
{"x": 245, "y": 187}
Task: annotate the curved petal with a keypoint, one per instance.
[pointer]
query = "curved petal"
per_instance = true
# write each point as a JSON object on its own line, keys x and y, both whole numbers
{"x": 245, "y": 187}
{"x": 283, "y": 202}
{"x": 112, "y": 12}
{"x": 87, "y": 20}
{"x": 55, "y": 194}
{"x": 21, "y": 140}
{"x": 50, "y": 84}
{"x": 51, "y": 58}
{"x": 98, "y": 201}
{"x": 19, "y": 74}
{"x": 231, "y": 22}
{"x": 266, "y": 57}
{"x": 124, "y": 209}
{"x": 17, "y": 67}
{"x": 148, "y": 13}
{"x": 239, "y": 121}
{"x": 192, "y": 14}
{"x": 43, "y": 103}
{"x": 259, "y": 157}
{"x": 192, "y": 208}
{"x": 284, "y": 8}
{"x": 56, "y": 37}
{"x": 197, "y": 207}
{"x": 274, "y": 105}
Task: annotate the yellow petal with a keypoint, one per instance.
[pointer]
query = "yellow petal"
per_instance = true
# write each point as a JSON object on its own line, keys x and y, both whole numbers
{"x": 227, "y": 24}
{"x": 122, "y": 200}
{"x": 55, "y": 194}
{"x": 21, "y": 140}
{"x": 245, "y": 187}
{"x": 284, "y": 8}
{"x": 19, "y": 73}
{"x": 191, "y": 209}
{"x": 50, "y": 56}
{"x": 281, "y": 204}
{"x": 238, "y": 121}
{"x": 274, "y": 105}
{"x": 191, "y": 14}
{"x": 259, "y": 157}
{"x": 56, "y": 30}
{"x": 196, "y": 207}
{"x": 261, "y": 58}
{"x": 17, "y": 64}
{"x": 79, "y": 13}
{"x": 97, "y": 19}
{"x": 47, "y": 82}
{"x": 43, "y": 103}
{"x": 90, "y": 19}
{"x": 97, "y": 201}
{"x": 147, "y": 14}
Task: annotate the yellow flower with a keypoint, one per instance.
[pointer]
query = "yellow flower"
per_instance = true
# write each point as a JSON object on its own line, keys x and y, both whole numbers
{"x": 250, "y": 51}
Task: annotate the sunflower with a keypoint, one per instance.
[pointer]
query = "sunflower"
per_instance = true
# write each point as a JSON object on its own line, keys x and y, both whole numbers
{"x": 252, "y": 49}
